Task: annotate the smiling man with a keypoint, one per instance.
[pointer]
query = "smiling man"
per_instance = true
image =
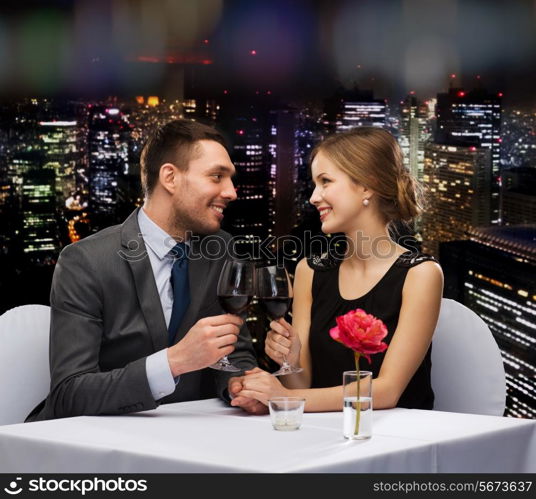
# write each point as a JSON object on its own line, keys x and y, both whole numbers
{"x": 135, "y": 319}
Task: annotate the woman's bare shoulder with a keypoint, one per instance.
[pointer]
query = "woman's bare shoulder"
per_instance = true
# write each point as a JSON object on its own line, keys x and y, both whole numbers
{"x": 304, "y": 272}
{"x": 424, "y": 275}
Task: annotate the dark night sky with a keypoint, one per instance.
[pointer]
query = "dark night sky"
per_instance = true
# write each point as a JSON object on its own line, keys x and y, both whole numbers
{"x": 302, "y": 48}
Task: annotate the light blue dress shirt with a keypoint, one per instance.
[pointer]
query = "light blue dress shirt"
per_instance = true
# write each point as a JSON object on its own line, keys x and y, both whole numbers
{"x": 159, "y": 243}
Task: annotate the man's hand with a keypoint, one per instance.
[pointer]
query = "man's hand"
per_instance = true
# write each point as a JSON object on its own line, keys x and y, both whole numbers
{"x": 206, "y": 342}
{"x": 249, "y": 405}
{"x": 262, "y": 386}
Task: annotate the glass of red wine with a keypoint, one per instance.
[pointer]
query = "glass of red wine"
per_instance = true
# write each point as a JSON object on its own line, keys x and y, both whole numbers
{"x": 274, "y": 291}
{"x": 236, "y": 287}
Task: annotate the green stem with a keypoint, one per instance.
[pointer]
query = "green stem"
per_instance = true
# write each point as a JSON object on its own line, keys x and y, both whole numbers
{"x": 358, "y": 402}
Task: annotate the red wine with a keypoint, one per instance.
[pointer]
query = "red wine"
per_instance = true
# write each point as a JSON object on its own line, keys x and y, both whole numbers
{"x": 234, "y": 304}
{"x": 276, "y": 307}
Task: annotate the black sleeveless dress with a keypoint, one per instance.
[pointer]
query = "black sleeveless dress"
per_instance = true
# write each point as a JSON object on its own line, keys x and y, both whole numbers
{"x": 330, "y": 359}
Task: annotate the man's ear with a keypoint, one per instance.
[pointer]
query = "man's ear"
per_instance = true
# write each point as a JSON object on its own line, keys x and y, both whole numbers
{"x": 167, "y": 177}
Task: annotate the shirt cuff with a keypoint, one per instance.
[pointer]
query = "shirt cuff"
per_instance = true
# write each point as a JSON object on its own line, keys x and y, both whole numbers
{"x": 226, "y": 395}
{"x": 161, "y": 381}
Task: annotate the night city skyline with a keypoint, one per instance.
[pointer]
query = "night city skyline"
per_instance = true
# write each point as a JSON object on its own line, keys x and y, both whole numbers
{"x": 83, "y": 83}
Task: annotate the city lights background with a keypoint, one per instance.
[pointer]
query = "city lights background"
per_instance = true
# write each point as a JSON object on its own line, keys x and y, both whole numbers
{"x": 83, "y": 82}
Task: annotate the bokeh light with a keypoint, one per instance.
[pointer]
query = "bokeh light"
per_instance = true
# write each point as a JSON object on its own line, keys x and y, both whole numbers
{"x": 96, "y": 54}
{"x": 156, "y": 27}
{"x": 391, "y": 46}
{"x": 44, "y": 56}
{"x": 5, "y": 59}
{"x": 427, "y": 61}
{"x": 491, "y": 33}
{"x": 266, "y": 42}
{"x": 425, "y": 40}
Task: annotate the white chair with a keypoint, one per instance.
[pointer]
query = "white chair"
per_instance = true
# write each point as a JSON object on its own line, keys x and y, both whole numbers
{"x": 24, "y": 366}
{"x": 467, "y": 367}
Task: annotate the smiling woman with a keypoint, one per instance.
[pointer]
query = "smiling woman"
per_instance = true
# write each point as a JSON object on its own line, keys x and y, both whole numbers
{"x": 371, "y": 158}
{"x": 361, "y": 186}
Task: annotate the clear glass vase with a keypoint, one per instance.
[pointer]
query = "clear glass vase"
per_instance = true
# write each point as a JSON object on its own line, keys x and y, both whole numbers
{"x": 357, "y": 404}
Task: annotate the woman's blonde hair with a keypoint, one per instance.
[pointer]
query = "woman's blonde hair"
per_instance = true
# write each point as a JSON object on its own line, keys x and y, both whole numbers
{"x": 371, "y": 157}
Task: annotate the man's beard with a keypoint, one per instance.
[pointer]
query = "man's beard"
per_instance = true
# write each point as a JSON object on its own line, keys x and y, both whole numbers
{"x": 182, "y": 220}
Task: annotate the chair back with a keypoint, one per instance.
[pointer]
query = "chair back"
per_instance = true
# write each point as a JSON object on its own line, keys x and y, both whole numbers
{"x": 467, "y": 367}
{"x": 24, "y": 364}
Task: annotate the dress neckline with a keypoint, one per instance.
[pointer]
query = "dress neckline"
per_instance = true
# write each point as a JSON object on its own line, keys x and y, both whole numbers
{"x": 373, "y": 287}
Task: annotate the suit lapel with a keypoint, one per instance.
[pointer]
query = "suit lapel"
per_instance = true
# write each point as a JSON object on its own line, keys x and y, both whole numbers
{"x": 135, "y": 253}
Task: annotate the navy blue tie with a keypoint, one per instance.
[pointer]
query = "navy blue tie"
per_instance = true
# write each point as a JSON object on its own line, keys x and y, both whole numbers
{"x": 181, "y": 288}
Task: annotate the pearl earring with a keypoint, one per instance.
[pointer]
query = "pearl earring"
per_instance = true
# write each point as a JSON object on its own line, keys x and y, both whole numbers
{"x": 366, "y": 202}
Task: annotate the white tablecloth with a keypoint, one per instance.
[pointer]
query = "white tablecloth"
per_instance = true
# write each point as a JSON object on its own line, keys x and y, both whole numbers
{"x": 209, "y": 437}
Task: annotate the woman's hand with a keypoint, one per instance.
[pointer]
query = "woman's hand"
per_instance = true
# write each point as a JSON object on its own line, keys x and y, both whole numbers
{"x": 250, "y": 405}
{"x": 282, "y": 341}
{"x": 262, "y": 386}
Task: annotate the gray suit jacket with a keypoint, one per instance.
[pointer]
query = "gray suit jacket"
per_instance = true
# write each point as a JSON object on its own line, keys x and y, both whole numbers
{"x": 106, "y": 318}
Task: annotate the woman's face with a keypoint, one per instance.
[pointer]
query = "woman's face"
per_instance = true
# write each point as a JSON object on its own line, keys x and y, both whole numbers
{"x": 338, "y": 199}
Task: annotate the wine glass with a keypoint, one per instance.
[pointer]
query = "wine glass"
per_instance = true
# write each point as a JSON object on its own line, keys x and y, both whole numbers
{"x": 275, "y": 295}
{"x": 236, "y": 287}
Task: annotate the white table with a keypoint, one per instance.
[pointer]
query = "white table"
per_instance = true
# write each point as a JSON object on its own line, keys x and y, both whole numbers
{"x": 209, "y": 437}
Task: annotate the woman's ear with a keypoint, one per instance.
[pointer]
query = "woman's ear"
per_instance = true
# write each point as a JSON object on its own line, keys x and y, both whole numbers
{"x": 364, "y": 191}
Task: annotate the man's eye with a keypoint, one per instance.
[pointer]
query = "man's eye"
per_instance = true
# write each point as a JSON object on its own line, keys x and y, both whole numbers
{"x": 218, "y": 176}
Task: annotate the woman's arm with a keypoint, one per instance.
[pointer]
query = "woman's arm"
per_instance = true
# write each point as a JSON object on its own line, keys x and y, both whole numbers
{"x": 295, "y": 343}
{"x": 421, "y": 300}
{"x": 262, "y": 386}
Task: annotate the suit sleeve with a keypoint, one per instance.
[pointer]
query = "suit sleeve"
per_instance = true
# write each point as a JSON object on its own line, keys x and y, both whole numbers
{"x": 78, "y": 387}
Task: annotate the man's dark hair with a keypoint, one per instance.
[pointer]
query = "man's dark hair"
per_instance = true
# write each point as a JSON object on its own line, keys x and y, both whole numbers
{"x": 172, "y": 143}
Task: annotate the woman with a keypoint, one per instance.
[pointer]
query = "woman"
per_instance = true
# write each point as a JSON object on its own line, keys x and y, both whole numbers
{"x": 361, "y": 187}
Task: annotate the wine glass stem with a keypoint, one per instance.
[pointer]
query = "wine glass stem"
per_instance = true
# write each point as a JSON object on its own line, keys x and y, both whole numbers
{"x": 285, "y": 364}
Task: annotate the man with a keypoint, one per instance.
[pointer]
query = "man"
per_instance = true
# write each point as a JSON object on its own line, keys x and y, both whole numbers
{"x": 135, "y": 319}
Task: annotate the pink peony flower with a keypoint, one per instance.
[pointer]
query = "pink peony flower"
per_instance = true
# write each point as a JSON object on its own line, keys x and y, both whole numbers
{"x": 361, "y": 332}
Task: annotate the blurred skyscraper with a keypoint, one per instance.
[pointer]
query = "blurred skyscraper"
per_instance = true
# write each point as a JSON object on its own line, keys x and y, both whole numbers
{"x": 108, "y": 138}
{"x": 39, "y": 162}
{"x": 308, "y": 135}
{"x": 283, "y": 171}
{"x": 493, "y": 274}
{"x": 248, "y": 217}
{"x": 473, "y": 119}
{"x": 414, "y": 132}
{"x": 40, "y": 232}
{"x": 519, "y": 139}
{"x": 457, "y": 184}
{"x": 62, "y": 148}
{"x": 364, "y": 113}
{"x": 518, "y": 196}
{"x": 348, "y": 109}
{"x": 462, "y": 166}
